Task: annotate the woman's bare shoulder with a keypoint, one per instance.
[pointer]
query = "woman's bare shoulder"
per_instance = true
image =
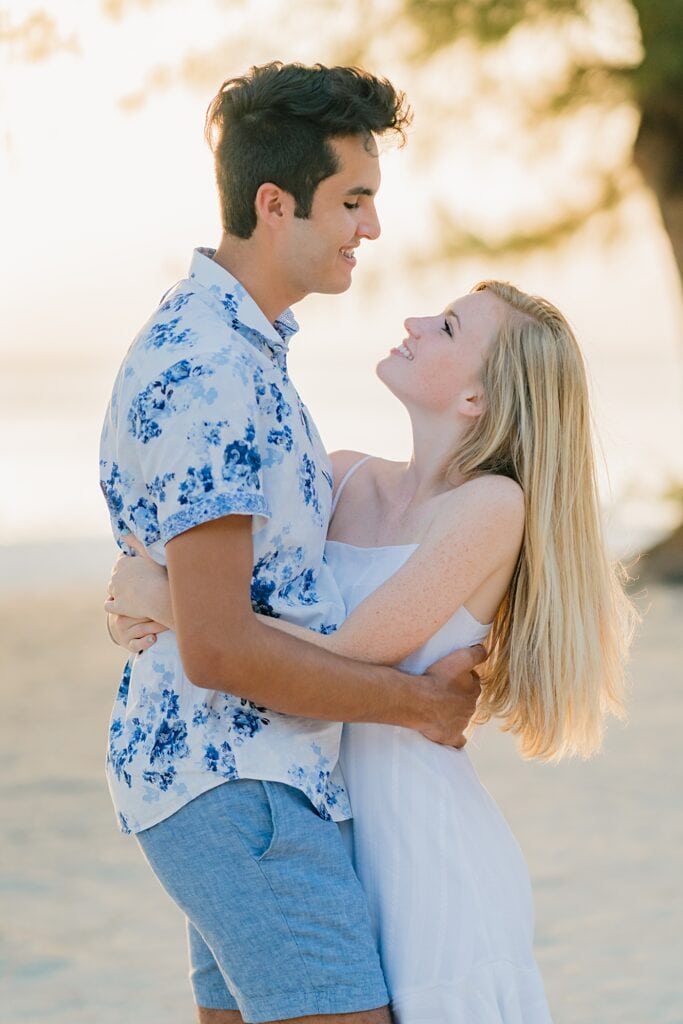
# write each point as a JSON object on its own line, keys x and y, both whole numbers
{"x": 490, "y": 486}
{"x": 342, "y": 461}
{"x": 495, "y": 502}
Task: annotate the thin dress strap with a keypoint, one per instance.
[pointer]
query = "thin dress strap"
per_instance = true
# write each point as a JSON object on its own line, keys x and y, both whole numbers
{"x": 345, "y": 479}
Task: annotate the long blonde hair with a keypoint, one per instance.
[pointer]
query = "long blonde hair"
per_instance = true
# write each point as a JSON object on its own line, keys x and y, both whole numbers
{"x": 560, "y": 637}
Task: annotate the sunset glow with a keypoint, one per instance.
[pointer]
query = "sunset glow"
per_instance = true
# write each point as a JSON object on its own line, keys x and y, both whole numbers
{"x": 108, "y": 187}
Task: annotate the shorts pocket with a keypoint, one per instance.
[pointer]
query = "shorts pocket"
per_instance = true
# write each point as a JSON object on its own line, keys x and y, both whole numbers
{"x": 271, "y": 793}
{"x": 252, "y": 815}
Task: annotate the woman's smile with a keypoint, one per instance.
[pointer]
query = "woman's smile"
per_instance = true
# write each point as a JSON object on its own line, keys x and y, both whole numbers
{"x": 404, "y": 351}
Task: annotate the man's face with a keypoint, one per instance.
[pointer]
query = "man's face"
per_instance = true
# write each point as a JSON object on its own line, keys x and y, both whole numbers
{"x": 321, "y": 250}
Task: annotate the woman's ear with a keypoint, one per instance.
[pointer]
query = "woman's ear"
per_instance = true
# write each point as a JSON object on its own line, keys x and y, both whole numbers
{"x": 472, "y": 404}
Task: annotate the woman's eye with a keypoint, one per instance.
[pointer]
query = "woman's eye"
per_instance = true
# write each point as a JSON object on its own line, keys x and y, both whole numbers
{"x": 351, "y": 206}
{"x": 447, "y": 327}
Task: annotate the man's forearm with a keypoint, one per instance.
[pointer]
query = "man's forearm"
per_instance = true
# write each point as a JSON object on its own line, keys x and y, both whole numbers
{"x": 223, "y": 646}
{"x": 297, "y": 677}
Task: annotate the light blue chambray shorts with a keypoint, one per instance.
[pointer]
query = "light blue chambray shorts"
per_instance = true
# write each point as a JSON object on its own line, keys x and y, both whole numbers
{"x": 277, "y": 921}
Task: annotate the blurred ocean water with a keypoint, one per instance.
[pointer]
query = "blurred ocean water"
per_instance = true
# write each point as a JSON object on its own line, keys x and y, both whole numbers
{"x": 51, "y": 411}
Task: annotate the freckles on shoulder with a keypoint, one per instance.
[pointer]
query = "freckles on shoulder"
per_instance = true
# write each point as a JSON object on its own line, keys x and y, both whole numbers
{"x": 506, "y": 492}
{"x": 490, "y": 499}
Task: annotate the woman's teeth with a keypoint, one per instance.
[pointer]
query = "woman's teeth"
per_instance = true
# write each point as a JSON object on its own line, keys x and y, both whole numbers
{"x": 405, "y": 351}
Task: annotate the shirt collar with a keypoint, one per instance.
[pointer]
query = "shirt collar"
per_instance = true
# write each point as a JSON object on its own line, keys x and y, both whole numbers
{"x": 240, "y": 311}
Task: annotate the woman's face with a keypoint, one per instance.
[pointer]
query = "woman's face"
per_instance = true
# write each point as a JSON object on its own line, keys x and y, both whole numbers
{"x": 438, "y": 365}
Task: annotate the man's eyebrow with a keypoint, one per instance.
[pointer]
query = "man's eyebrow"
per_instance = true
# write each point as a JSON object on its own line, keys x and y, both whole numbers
{"x": 451, "y": 312}
{"x": 360, "y": 190}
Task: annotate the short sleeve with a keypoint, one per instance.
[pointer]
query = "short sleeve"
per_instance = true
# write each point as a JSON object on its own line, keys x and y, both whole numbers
{"x": 196, "y": 430}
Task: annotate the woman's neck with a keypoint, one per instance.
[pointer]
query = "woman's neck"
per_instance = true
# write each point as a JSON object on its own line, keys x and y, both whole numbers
{"x": 424, "y": 476}
{"x": 401, "y": 503}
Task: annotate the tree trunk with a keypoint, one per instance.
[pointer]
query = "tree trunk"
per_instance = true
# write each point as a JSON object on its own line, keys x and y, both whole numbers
{"x": 658, "y": 154}
{"x": 664, "y": 562}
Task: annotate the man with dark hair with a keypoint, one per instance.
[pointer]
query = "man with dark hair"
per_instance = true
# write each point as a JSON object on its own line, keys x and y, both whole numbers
{"x": 276, "y": 123}
{"x": 211, "y": 461}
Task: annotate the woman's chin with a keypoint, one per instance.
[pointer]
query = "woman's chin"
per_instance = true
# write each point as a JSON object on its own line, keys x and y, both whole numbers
{"x": 385, "y": 372}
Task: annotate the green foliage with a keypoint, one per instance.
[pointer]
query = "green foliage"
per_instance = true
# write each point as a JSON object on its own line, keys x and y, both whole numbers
{"x": 661, "y": 72}
{"x": 453, "y": 243}
{"x": 617, "y": 52}
{"x": 442, "y": 22}
{"x": 608, "y": 55}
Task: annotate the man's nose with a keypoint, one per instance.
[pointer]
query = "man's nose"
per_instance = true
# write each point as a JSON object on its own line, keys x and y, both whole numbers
{"x": 370, "y": 227}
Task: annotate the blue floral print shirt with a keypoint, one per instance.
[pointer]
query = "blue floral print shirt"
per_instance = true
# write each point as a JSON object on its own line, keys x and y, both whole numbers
{"x": 204, "y": 422}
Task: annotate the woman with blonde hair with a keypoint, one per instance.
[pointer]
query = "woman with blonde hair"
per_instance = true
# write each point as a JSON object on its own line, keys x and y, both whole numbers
{"x": 491, "y": 529}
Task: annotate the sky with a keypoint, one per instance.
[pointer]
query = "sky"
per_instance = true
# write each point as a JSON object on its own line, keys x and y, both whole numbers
{"x": 102, "y": 203}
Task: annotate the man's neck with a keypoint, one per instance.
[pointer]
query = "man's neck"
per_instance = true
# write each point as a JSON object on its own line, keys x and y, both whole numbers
{"x": 256, "y": 271}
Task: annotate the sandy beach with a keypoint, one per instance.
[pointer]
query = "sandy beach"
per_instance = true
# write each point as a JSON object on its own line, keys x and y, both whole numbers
{"x": 88, "y": 935}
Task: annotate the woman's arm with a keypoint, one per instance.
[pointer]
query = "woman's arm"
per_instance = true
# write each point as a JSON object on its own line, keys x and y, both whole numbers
{"x": 475, "y": 538}
{"x": 139, "y": 607}
{"x": 471, "y": 546}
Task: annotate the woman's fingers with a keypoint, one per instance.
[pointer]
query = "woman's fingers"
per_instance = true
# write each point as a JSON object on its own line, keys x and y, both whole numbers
{"x": 141, "y": 634}
{"x": 111, "y": 585}
{"x": 141, "y": 645}
{"x": 132, "y": 541}
{"x": 127, "y": 631}
{"x": 144, "y": 627}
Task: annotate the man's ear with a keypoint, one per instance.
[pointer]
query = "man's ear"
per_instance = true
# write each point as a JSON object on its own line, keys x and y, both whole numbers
{"x": 273, "y": 205}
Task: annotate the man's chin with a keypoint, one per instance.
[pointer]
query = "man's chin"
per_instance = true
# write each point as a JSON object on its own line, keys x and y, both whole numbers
{"x": 335, "y": 287}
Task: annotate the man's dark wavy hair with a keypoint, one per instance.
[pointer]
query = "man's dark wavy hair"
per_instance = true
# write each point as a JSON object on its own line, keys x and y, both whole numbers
{"x": 274, "y": 124}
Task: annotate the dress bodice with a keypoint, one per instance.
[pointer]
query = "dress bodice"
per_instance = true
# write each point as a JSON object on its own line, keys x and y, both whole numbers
{"x": 360, "y": 570}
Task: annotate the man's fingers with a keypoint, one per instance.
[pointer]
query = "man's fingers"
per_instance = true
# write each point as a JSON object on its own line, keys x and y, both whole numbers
{"x": 464, "y": 660}
{"x": 478, "y": 653}
{"x": 468, "y": 682}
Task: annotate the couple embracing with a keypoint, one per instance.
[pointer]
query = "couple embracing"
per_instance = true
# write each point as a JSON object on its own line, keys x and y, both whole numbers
{"x": 282, "y": 592}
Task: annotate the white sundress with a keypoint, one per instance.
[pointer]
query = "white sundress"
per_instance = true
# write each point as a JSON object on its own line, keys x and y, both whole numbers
{"x": 448, "y": 890}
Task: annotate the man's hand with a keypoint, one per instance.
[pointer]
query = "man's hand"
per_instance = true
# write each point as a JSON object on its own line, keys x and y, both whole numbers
{"x": 452, "y": 690}
{"x": 224, "y": 646}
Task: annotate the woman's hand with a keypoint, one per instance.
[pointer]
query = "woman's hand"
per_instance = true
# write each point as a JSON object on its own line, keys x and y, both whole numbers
{"x": 138, "y": 590}
{"x": 136, "y": 635}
